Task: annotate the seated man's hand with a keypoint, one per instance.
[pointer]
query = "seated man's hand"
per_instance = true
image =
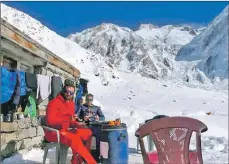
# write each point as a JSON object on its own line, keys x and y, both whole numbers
{"x": 81, "y": 123}
{"x": 76, "y": 124}
{"x": 73, "y": 118}
{"x": 86, "y": 118}
{"x": 97, "y": 118}
{"x": 76, "y": 117}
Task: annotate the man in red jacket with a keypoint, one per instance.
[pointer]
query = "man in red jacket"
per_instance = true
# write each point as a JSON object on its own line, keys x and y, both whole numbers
{"x": 60, "y": 115}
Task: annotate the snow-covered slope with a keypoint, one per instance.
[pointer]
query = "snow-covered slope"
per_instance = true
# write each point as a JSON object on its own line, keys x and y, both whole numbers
{"x": 70, "y": 51}
{"x": 144, "y": 98}
{"x": 209, "y": 51}
{"x": 149, "y": 51}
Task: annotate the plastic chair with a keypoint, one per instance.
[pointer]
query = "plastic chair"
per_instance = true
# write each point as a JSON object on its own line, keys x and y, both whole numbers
{"x": 172, "y": 137}
{"x": 61, "y": 150}
{"x": 149, "y": 138}
{"x": 149, "y": 141}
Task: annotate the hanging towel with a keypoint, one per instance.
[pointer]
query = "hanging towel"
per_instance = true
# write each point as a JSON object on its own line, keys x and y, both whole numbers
{"x": 31, "y": 108}
{"x": 20, "y": 90}
{"x": 63, "y": 79}
{"x": 23, "y": 86}
{"x": 56, "y": 86}
{"x": 43, "y": 86}
{"x": 17, "y": 89}
{"x": 8, "y": 83}
{"x": 31, "y": 81}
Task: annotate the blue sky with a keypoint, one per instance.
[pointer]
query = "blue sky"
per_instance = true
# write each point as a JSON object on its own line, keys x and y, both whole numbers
{"x": 70, "y": 17}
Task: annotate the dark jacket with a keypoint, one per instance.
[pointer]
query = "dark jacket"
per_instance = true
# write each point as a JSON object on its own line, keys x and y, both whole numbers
{"x": 31, "y": 80}
{"x": 56, "y": 86}
{"x": 95, "y": 110}
{"x": 8, "y": 84}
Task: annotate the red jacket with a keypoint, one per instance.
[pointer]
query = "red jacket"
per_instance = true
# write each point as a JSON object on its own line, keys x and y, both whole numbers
{"x": 58, "y": 116}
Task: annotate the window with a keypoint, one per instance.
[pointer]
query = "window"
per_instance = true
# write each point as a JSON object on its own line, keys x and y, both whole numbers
{"x": 9, "y": 62}
{"x": 24, "y": 67}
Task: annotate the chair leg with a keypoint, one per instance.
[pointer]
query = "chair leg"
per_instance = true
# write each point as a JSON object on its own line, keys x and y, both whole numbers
{"x": 150, "y": 143}
{"x": 58, "y": 154}
{"x": 137, "y": 145}
{"x": 63, "y": 154}
{"x": 138, "y": 140}
{"x": 45, "y": 155}
{"x": 80, "y": 159}
{"x": 77, "y": 159}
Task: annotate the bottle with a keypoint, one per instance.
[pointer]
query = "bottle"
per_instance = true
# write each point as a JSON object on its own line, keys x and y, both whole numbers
{"x": 8, "y": 117}
{"x": 2, "y": 117}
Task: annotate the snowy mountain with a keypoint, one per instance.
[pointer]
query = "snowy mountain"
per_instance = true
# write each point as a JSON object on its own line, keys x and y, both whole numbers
{"x": 150, "y": 50}
{"x": 208, "y": 52}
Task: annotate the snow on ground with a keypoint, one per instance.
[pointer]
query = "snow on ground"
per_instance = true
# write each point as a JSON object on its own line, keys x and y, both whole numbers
{"x": 144, "y": 98}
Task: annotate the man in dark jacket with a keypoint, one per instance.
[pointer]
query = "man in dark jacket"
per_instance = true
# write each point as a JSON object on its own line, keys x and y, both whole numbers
{"x": 91, "y": 113}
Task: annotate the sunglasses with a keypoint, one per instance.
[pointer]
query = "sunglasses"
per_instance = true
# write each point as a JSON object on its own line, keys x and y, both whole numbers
{"x": 69, "y": 92}
{"x": 89, "y": 99}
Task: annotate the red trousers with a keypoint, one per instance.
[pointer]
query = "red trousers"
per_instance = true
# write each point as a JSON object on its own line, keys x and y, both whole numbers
{"x": 74, "y": 139}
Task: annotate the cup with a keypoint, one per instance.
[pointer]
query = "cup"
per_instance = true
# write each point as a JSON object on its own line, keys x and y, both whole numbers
{"x": 20, "y": 116}
{"x": 2, "y": 117}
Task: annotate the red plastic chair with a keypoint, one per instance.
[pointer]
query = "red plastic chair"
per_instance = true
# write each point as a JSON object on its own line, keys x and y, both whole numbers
{"x": 172, "y": 137}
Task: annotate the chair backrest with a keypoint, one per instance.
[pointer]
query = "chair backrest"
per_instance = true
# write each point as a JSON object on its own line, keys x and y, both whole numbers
{"x": 171, "y": 136}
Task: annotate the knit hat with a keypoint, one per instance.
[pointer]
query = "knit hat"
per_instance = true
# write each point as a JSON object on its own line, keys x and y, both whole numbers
{"x": 89, "y": 95}
{"x": 70, "y": 82}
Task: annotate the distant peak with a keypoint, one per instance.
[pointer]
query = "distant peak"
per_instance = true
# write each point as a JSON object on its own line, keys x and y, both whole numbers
{"x": 113, "y": 27}
{"x": 72, "y": 36}
{"x": 109, "y": 25}
{"x": 147, "y": 26}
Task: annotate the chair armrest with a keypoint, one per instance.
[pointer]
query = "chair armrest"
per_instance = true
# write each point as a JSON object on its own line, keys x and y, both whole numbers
{"x": 53, "y": 130}
{"x": 203, "y": 129}
{"x": 137, "y": 134}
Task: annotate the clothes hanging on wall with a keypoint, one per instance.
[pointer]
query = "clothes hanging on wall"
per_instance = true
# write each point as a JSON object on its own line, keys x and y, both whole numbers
{"x": 56, "y": 86}
{"x": 63, "y": 79}
{"x": 16, "y": 84}
{"x": 43, "y": 86}
{"x": 31, "y": 107}
{"x": 17, "y": 91}
{"x": 23, "y": 86}
{"x": 31, "y": 81}
{"x": 8, "y": 84}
